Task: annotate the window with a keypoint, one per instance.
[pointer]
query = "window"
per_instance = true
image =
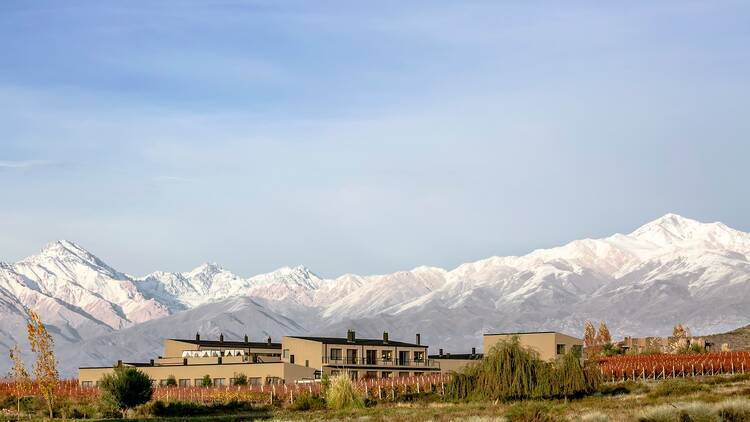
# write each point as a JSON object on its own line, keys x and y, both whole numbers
{"x": 335, "y": 372}
{"x": 577, "y": 350}
{"x": 87, "y": 384}
{"x": 418, "y": 374}
{"x": 291, "y": 358}
{"x": 403, "y": 357}
{"x": 184, "y": 382}
{"x": 418, "y": 356}
{"x": 162, "y": 383}
{"x": 285, "y": 353}
{"x": 353, "y": 375}
{"x": 351, "y": 356}
{"x": 307, "y": 363}
{"x": 386, "y": 355}
{"x": 220, "y": 382}
{"x": 198, "y": 382}
{"x": 560, "y": 349}
{"x": 254, "y": 381}
{"x": 371, "y": 357}
{"x": 335, "y": 354}
{"x": 371, "y": 374}
{"x": 385, "y": 374}
{"x": 403, "y": 374}
{"x": 274, "y": 380}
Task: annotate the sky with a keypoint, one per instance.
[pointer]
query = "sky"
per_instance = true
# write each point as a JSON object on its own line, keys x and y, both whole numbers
{"x": 364, "y": 137}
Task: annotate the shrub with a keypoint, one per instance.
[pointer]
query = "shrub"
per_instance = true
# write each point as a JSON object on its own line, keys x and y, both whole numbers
{"x": 307, "y": 401}
{"x": 676, "y": 387}
{"x": 126, "y": 388}
{"x": 593, "y": 417}
{"x": 171, "y": 381}
{"x": 183, "y": 408}
{"x": 610, "y": 349}
{"x": 530, "y": 412}
{"x": 240, "y": 379}
{"x": 620, "y": 388}
{"x": 206, "y": 381}
{"x": 342, "y": 394}
{"x": 737, "y": 410}
{"x": 510, "y": 371}
{"x": 690, "y": 412}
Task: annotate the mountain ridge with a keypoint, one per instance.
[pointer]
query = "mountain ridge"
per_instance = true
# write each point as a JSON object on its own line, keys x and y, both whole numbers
{"x": 672, "y": 269}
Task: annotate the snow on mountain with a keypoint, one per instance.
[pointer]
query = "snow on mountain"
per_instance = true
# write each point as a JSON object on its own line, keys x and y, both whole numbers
{"x": 670, "y": 270}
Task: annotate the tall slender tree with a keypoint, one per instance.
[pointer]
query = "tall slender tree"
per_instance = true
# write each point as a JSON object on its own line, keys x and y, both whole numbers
{"x": 603, "y": 337}
{"x": 20, "y": 377}
{"x": 45, "y": 368}
{"x": 589, "y": 334}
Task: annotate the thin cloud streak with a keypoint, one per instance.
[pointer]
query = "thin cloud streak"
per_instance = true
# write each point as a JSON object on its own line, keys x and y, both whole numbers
{"x": 24, "y": 164}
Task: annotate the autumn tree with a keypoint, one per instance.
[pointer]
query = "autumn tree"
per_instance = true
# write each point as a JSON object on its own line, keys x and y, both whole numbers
{"x": 20, "y": 376}
{"x": 603, "y": 337}
{"x": 589, "y": 334}
{"x": 680, "y": 331}
{"x": 45, "y": 368}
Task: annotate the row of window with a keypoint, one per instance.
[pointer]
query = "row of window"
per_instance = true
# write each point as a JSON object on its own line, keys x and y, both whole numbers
{"x": 354, "y": 375}
{"x": 198, "y": 382}
{"x": 560, "y": 349}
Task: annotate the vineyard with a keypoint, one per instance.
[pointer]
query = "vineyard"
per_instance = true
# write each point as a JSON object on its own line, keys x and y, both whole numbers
{"x": 376, "y": 389}
{"x": 620, "y": 368}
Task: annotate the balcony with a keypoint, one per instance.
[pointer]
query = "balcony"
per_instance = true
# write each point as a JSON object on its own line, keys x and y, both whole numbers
{"x": 424, "y": 363}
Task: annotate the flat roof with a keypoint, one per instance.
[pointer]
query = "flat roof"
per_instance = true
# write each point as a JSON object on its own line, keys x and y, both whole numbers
{"x": 359, "y": 341}
{"x": 237, "y": 344}
{"x": 462, "y": 356}
{"x": 522, "y": 332}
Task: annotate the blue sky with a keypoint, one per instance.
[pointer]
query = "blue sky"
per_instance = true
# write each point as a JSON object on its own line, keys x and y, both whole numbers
{"x": 364, "y": 137}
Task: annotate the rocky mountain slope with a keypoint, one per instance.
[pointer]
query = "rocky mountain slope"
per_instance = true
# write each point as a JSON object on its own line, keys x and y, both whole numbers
{"x": 670, "y": 270}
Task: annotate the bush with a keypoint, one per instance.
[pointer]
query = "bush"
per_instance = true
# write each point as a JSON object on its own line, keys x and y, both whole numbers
{"x": 737, "y": 410}
{"x": 690, "y": 412}
{"x": 240, "y": 379}
{"x": 610, "y": 349}
{"x": 171, "y": 381}
{"x": 621, "y": 388}
{"x": 676, "y": 387}
{"x": 593, "y": 417}
{"x": 530, "y": 412}
{"x": 206, "y": 381}
{"x": 183, "y": 408}
{"x": 342, "y": 394}
{"x": 307, "y": 401}
{"x": 126, "y": 388}
{"x": 510, "y": 371}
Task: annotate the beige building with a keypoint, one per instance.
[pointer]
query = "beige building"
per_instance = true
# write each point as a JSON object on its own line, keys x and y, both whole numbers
{"x": 359, "y": 358}
{"x": 453, "y": 362}
{"x": 549, "y": 344}
{"x": 189, "y": 361}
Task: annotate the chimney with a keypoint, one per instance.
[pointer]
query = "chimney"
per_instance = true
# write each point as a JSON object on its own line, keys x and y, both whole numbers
{"x": 419, "y": 339}
{"x": 119, "y": 363}
{"x": 221, "y": 338}
{"x": 197, "y": 337}
{"x": 151, "y": 362}
{"x": 440, "y": 352}
{"x": 269, "y": 340}
{"x": 184, "y": 361}
{"x": 350, "y": 336}
{"x": 473, "y": 351}
{"x": 247, "y": 340}
{"x": 385, "y": 337}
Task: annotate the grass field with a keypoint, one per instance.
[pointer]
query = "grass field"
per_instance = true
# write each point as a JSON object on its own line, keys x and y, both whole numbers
{"x": 708, "y": 399}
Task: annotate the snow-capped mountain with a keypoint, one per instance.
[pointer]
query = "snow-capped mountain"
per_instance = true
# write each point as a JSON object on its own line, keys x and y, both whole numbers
{"x": 670, "y": 270}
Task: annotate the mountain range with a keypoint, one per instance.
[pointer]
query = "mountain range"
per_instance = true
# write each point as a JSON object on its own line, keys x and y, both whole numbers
{"x": 671, "y": 270}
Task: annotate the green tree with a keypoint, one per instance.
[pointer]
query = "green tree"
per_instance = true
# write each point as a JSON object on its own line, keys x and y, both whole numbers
{"x": 127, "y": 387}
{"x": 240, "y": 379}
{"x": 206, "y": 381}
{"x": 171, "y": 381}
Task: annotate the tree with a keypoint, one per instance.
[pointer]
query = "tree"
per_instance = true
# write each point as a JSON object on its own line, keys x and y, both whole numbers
{"x": 206, "y": 381}
{"x": 240, "y": 379}
{"x": 19, "y": 375}
{"x": 680, "y": 332}
{"x": 171, "y": 381}
{"x": 127, "y": 387}
{"x": 45, "y": 368}
{"x": 603, "y": 337}
{"x": 589, "y": 334}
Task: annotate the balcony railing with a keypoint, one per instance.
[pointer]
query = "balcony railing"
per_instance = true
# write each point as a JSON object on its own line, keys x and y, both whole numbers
{"x": 378, "y": 362}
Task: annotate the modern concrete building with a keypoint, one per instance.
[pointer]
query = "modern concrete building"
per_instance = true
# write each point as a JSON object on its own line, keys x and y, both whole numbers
{"x": 452, "y": 362}
{"x": 359, "y": 358}
{"x": 189, "y": 361}
{"x": 294, "y": 359}
{"x": 549, "y": 344}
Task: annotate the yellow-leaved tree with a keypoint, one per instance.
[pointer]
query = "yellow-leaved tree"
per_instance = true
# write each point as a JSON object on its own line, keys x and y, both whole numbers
{"x": 45, "y": 368}
{"x": 603, "y": 337}
{"x": 20, "y": 377}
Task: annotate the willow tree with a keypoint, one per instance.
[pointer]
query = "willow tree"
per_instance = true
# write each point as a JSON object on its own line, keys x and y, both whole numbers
{"x": 20, "y": 377}
{"x": 45, "y": 367}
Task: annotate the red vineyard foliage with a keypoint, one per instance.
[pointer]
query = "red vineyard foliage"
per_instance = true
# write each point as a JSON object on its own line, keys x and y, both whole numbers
{"x": 617, "y": 368}
{"x": 382, "y": 388}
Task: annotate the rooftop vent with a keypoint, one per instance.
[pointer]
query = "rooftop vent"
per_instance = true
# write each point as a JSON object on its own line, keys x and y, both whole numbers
{"x": 221, "y": 338}
{"x": 440, "y": 352}
{"x": 473, "y": 351}
{"x": 385, "y": 337}
{"x": 247, "y": 340}
{"x": 350, "y": 336}
{"x": 269, "y": 340}
{"x": 419, "y": 339}
{"x": 197, "y": 337}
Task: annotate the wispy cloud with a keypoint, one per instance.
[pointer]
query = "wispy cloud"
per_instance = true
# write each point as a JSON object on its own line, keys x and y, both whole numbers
{"x": 23, "y": 164}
